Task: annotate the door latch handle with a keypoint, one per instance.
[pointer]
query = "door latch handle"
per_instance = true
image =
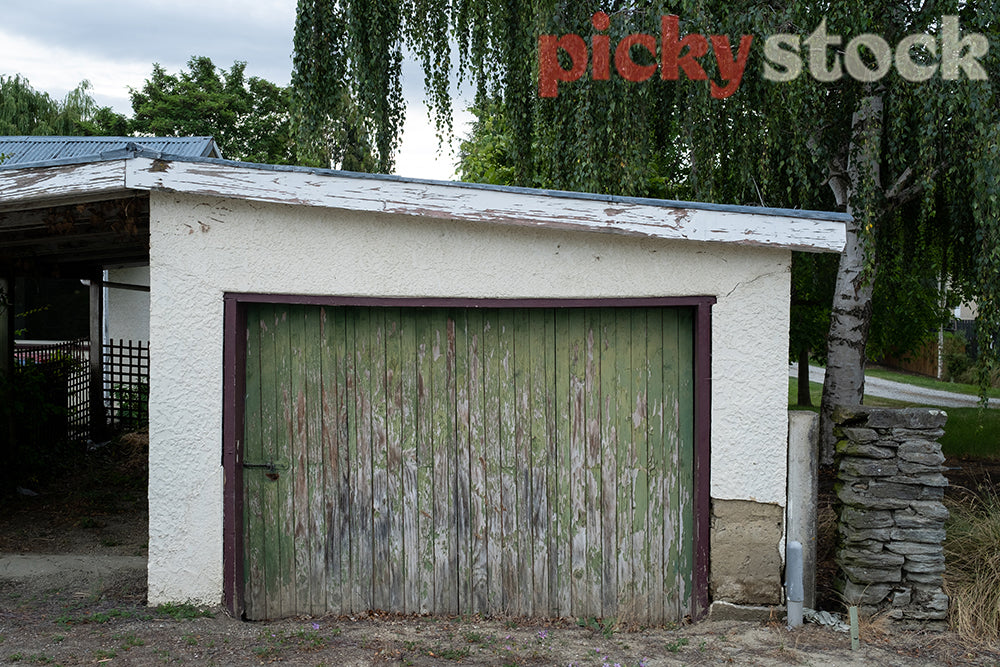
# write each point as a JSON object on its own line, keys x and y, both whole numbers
{"x": 270, "y": 467}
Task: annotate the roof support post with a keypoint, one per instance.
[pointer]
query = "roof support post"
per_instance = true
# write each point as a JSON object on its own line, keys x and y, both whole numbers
{"x": 98, "y": 420}
{"x": 6, "y": 379}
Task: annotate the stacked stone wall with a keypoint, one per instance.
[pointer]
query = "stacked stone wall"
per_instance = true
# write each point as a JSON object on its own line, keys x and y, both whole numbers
{"x": 890, "y": 487}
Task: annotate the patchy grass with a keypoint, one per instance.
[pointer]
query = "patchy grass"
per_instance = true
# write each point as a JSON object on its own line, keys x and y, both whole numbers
{"x": 183, "y": 611}
{"x": 816, "y": 394}
{"x": 969, "y": 433}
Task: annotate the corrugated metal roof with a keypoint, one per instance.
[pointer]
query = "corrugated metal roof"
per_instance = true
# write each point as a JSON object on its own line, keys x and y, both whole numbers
{"x": 23, "y": 151}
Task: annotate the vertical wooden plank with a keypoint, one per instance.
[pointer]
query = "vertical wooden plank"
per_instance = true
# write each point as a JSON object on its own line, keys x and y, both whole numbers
{"x": 547, "y": 474}
{"x": 253, "y": 481}
{"x": 640, "y": 546}
{"x": 592, "y": 415}
{"x": 381, "y": 566}
{"x": 493, "y": 446}
{"x": 686, "y": 448}
{"x": 329, "y": 370}
{"x": 521, "y": 464}
{"x": 317, "y": 464}
{"x": 361, "y": 457}
{"x": 503, "y": 536}
{"x": 577, "y": 378}
{"x": 626, "y": 462}
{"x": 535, "y": 531}
{"x": 656, "y": 460}
{"x": 673, "y": 476}
{"x": 283, "y": 454}
{"x": 394, "y": 458}
{"x": 609, "y": 467}
{"x": 478, "y": 545}
{"x": 443, "y": 401}
{"x": 563, "y": 465}
{"x": 275, "y": 450}
{"x": 463, "y": 521}
{"x": 269, "y": 488}
{"x": 426, "y": 535}
{"x": 410, "y": 505}
{"x": 299, "y": 467}
{"x": 343, "y": 349}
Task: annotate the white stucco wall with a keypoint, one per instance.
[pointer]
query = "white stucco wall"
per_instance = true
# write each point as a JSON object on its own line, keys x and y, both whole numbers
{"x": 201, "y": 247}
{"x": 127, "y": 311}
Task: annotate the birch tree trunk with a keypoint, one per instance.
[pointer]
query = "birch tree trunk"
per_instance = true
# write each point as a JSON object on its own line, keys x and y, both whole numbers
{"x": 851, "y": 314}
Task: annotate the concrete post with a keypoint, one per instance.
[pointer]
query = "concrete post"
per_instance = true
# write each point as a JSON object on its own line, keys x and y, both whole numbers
{"x": 98, "y": 420}
{"x": 803, "y": 486}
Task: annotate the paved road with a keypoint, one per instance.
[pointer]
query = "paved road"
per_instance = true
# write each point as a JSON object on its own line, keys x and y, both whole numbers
{"x": 904, "y": 392}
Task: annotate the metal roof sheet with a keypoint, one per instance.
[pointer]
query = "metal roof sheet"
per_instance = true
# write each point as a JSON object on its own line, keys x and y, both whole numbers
{"x": 27, "y": 150}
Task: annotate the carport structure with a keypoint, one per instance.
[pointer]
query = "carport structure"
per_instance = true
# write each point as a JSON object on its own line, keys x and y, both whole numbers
{"x": 377, "y": 392}
{"x": 60, "y": 232}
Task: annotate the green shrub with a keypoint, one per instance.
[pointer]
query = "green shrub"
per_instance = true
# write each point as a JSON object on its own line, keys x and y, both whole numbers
{"x": 35, "y": 393}
{"x": 957, "y": 364}
{"x": 132, "y": 405}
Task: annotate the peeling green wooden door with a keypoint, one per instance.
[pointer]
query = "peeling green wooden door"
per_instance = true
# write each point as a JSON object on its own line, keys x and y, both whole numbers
{"x": 522, "y": 461}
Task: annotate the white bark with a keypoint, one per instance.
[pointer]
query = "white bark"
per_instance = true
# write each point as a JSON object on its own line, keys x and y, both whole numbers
{"x": 852, "y": 302}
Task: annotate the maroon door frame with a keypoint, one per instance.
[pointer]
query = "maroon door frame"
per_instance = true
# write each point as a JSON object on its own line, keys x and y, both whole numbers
{"x": 234, "y": 387}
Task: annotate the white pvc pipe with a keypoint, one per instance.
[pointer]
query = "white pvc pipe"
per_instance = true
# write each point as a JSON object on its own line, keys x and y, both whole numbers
{"x": 793, "y": 583}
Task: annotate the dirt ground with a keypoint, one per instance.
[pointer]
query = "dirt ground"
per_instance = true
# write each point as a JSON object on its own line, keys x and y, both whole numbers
{"x": 72, "y": 591}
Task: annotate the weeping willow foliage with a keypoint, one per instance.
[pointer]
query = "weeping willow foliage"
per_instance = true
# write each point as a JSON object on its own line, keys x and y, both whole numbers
{"x": 26, "y": 111}
{"x": 925, "y": 202}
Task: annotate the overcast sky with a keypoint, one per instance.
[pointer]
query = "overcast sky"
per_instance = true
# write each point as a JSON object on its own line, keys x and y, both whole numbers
{"x": 55, "y": 44}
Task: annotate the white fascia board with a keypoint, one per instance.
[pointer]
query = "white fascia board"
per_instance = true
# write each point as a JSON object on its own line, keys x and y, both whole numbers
{"x": 45, "y": 186}
{"x": 455, "y": 202}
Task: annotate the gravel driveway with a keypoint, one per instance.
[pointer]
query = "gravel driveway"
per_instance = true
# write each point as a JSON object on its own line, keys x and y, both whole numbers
{"x": 904, "y": 392}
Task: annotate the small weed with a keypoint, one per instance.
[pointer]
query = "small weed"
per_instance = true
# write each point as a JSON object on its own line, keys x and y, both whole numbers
{"x": 89, "y": 523}
{"x": 677, "y": 644}
{"x": 42, "y": 659}
{"x": 15, "y": 657}
{"x": 105, "y": 616}
{"x": 473, "y": 637}
{"x": 57, "y": 638}
{"x": 109, "y": 542}
{"x": 190, "y": 640}
{"x": 411, "y": 645}
{"x": 510, "y": 624}
{"x": 274, "y": 642}
{"x": 451, "y": 653}
{"x": 97, "y": 617}
{"x": 183, "y": 611}
{"x": 129, "y": 641}
{"x": 266, "y": 653}
{"x": 703, "y": 645}
{"x": 101, "y": 653}
{"x": 604, "y": 626}
{"x": 311, "y": 638}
